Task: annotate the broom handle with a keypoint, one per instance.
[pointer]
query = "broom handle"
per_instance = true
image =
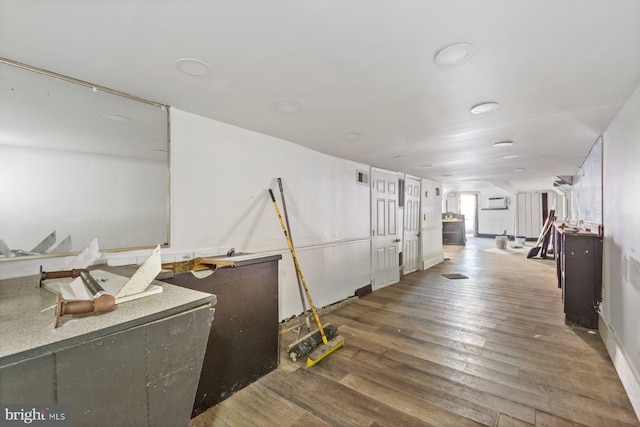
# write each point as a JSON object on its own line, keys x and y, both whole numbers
{"x": 298, "y": 270}
{"x": 286, "y": 219}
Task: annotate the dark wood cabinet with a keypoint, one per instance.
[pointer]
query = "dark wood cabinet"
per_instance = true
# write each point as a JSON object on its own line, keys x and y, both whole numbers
{"x": 453, "y": 229}
{"x": 243, "y": 343}
{"x": 579, "y": 269}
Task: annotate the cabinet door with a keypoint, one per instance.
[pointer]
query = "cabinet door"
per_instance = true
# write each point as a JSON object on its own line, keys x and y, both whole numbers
{"x": 104, "y": 379}
{"x": 143, "y": 376}
{"x": 582, "y": 271}
{"x": 28, "y": 381}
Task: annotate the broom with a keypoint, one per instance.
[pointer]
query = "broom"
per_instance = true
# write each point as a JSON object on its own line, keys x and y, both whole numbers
{"x": 533, "y": 252}
{"x": 328, "y": 346}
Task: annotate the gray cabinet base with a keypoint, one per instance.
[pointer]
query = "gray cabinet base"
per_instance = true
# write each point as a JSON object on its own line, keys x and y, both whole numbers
{"x": 145, "y": 375}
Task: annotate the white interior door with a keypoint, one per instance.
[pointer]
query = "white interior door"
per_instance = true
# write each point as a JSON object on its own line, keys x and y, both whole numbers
{"x": 411, "y": 251}
{"x": 384, "y": 233}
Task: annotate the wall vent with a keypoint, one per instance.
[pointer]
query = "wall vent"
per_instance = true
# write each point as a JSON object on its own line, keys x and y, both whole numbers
{"x": 362, "y": 177}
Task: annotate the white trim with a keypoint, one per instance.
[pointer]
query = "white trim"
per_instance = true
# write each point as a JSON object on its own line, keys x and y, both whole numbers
{"x": 627, "y": 374}
{"x": 434, "y": 260}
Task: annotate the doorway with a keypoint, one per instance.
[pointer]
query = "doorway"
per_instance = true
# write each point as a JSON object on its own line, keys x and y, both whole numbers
{"x": 469, "y": 208}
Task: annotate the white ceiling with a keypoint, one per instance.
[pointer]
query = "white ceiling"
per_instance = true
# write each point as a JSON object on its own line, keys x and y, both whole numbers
{"x": 560, "y": 70}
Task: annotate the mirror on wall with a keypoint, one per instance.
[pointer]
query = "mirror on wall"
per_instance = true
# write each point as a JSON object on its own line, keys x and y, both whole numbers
{"x": 79, "y": 162}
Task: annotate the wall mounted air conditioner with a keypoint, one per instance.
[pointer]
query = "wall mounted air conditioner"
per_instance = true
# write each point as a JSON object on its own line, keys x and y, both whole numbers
{"x": 497, "y": 203}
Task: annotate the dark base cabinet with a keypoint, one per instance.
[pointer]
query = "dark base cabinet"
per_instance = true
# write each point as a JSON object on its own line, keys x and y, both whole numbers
{"x": 579, "y": 266}
{"x": 243, "y": 343}
{"x": 453, "y": 230}
{"x": 140, "y": 376}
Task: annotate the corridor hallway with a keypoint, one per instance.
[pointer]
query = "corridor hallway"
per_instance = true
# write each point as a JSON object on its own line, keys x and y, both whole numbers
{"x": 489, "y": 350}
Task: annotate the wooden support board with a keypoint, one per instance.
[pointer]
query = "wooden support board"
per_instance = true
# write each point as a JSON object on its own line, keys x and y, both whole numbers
{"x": 197, "y": 264}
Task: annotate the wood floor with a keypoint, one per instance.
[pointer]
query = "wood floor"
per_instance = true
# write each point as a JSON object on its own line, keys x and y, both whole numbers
{"x": 489, "y": 350}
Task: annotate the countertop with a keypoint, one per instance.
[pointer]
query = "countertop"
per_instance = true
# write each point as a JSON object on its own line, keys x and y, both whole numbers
{"x": 27, "y": 316}
{"x": 587, "y": 230}
{"x": 241, "y": 259}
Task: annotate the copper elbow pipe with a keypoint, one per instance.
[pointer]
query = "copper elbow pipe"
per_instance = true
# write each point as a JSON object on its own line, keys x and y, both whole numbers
{"x": 101, "y": 304}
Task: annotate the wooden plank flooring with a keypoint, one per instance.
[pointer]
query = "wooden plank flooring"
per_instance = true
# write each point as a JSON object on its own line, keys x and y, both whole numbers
{"x": 490, "y": 350}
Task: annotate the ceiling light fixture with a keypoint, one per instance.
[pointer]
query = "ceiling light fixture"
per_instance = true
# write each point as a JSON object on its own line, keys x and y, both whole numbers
{"x": 518, "y": 170}
{"x": 503, "y": 144}
{"x": 352, "y": 136}
{"x": 454, "y": 54}
{"x": 288, "y": 107}
{"x": 511, "y": 156}
{"x": 194, "y": 67}
{"x": 485, "y": 107}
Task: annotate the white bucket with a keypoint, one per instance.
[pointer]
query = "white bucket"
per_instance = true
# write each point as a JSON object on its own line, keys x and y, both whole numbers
{"x": 520, "y": 240}
{"x": 501, "y": 242}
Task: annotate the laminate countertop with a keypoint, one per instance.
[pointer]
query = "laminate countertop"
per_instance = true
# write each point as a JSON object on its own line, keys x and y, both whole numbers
{"x": 27, "y": 316}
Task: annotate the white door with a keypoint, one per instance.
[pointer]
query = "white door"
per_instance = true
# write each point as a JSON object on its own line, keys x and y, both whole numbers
{"x": 411, "y": 251}
{"x": 384, "y": 233}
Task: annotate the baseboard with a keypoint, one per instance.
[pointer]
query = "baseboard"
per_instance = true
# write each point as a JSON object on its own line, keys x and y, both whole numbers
{"x": 433, "y": 260}
{"x": 625, "y": 370}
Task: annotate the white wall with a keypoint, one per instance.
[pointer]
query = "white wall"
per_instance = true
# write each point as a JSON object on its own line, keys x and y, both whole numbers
{"x": 620, "y": 313}
{"x": 220, "y": 175}
{"x": 495, "y": 221}
{"x": 451, "y": 202}
{"x": 219, "y": 180}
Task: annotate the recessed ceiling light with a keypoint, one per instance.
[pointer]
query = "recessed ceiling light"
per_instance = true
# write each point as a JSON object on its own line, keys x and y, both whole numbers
{"x": 454, "y": 54}
{"x": 288, "y": 107}
{"x": 352, "y": 136}
{"x": 116, "y": 117}
{"x": 518, "y": 170}
{"x": 194, "y": 67}
{"x": 425, "y": 166}
{"x": 400, "y": 157}
{"x": 485, "y": 107}
{"x": 503, "y": 144}
{"x": 511, "y": 156}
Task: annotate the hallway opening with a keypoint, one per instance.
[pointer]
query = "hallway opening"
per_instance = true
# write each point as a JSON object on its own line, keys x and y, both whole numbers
{"x": 469, "y": 208}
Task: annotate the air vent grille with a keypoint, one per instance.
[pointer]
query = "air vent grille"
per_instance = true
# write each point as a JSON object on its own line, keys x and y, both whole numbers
{"x": 362, "y": 177}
